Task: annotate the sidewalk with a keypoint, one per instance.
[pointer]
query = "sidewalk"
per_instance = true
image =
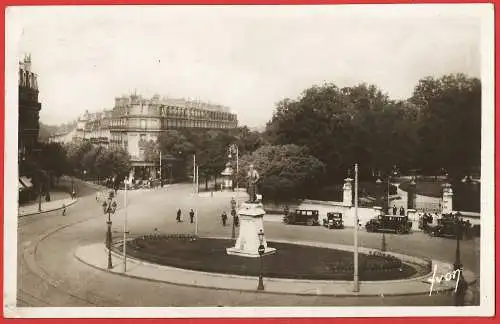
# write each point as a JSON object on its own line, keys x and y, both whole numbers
{"x": 47, "y": 206}
{"x": 95, "y": 255}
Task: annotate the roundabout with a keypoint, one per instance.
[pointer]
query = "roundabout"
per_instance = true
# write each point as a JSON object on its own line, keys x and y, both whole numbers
{"x": 316, "y": 263}
{"x": 417, "y": 284}
{"x": 53, "y": 274}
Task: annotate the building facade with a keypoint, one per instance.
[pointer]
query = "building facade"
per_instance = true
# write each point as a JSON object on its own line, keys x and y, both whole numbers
{"x": 29, "y": 109}
{"x": 136, "y": 121}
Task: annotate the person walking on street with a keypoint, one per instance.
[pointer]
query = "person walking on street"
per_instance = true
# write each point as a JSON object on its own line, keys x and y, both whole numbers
{"x": 224, "y": 218}
{"x": 401, "y": 211}
{"x": 178, "y": 218}
{"x": 64, "y": 209}
{"x": 394, "y": 210}
{"x": 235, "y": 217}
{"x": 191, "y": 215}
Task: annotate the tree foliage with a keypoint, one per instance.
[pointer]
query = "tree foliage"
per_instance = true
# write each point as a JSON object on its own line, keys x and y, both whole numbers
{"x": 98, "y": 161}
{"x": 449, "y": 128}
{"x": 286, "y": 171}
{"x": 439, "y": 127}
{"x": 112, "y": 162}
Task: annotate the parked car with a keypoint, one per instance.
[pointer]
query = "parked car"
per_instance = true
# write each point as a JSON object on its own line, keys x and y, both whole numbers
{"x": 333, "y": 220}
{"x": 447, "y": 226}
{"x": 302, "y": 216}
{"x": 383, "y": 223}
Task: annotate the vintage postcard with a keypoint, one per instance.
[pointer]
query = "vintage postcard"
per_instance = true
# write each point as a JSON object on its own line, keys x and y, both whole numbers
{"x": 249, "y": 161}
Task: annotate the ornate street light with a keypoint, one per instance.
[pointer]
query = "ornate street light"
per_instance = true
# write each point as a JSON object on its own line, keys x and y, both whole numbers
{"x": 233, "y": 149}
{"x": 261, "y": 253}
{"x": 109, "y": 207}
{"x": 458, "y": 232}
{"x": 233, "y": 213}
{"x": 379, "y": 187}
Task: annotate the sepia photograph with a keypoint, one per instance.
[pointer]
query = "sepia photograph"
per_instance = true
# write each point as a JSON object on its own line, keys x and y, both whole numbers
{"x": 249, "y": 161}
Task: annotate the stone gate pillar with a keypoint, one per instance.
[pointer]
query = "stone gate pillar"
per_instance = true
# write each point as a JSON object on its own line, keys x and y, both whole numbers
{"x": 412, "y": 195}
{"x": 447, "y": 206}
{"x": 347, "y": 197}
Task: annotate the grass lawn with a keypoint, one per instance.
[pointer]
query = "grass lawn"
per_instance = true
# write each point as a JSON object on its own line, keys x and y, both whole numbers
{"x": 290, "y": 261}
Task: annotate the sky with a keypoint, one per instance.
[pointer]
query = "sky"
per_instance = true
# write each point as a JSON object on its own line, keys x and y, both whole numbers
{"x": 245, "y": 57}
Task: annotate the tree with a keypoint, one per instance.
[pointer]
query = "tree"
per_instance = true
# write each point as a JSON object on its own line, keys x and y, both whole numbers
{"x": 449, "y": 126}
{"x": 339, "y": 126}
{"x": 113, "y": 162}
{"x": 175, "y": 143}
{"x": 286, "y": 171}
{"x": 151, "y": 150}
{"x": 76, "y": 153}
{"x": 53, "y": 158}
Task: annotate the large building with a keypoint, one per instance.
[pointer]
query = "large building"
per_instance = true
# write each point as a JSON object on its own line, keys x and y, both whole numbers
{"x": 29, "y": 109}
{"x": 135, "y": 121}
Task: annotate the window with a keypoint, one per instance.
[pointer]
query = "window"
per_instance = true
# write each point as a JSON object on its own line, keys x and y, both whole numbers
{"x": 143, "y": 123}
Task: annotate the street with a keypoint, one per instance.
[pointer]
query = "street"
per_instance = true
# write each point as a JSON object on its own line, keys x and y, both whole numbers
{"x": 49, "y": 275}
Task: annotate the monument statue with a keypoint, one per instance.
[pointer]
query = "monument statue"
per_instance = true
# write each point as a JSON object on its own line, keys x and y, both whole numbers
{"x": 253, "y": 178}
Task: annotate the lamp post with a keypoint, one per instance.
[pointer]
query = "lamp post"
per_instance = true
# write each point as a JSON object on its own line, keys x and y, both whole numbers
{"x": 233, "y": 213}
{"x": 233, "y": 148}
{"x": 109, "y": 207}
{"x": 261, "y": 253}
{"x": 458, "y": 232}
{"x": 125, "y": 231}
{"x": 161, "y": 174}
{"x": 384, "y": 208}
{"x": 356, "y": 220}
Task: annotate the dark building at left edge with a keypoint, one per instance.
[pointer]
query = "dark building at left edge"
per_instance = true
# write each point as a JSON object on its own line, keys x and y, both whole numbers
{"x": 30, "y": 174}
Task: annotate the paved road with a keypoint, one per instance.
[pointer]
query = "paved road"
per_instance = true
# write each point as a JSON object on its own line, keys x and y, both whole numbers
{"x": 49, "y": 275}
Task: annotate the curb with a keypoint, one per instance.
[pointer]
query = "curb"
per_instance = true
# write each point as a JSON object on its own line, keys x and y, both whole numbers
{"x": 255, "y": 291}
{"x": 150, "y": 279}
{"x": 72, "y": 202}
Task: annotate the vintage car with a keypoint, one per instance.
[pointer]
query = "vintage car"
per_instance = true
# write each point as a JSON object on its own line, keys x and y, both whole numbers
{"x": 333, "y": 220}
{"x": 447, "y": 226}
{"x": 425, "y": 221}
{"x": 383, "y": 223}
{"x": 302, "y": 216}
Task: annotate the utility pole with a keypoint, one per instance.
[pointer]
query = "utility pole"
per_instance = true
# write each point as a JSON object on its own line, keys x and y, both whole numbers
{"x": 237, "y": 181}
{"x": 194, "y": 173}
{"x": 125, "y": 229}
{"x": 356, "y": 275}
{"x": 161, "y": 179}
{"x": 197, "y": 178}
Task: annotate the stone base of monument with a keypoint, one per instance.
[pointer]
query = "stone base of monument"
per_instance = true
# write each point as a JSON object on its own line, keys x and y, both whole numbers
{"x": 251, "y": 216}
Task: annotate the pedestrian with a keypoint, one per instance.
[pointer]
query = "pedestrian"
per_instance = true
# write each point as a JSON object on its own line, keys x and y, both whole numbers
{"x": 64, "y": 209}
{"x": 394, "y": 210}
{"x": 191, "y": 215}
{"x": 179, "y": 212}
{"x": 401, "y": 211}
{"x": 224, "y": 218}
{"x": 468, "y": 227}
{"x": 235, "y": 217}
{"x": 73, "y": 194}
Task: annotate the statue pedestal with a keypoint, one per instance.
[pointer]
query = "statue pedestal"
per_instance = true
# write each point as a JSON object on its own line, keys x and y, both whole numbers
{"x": 251, "y": 217}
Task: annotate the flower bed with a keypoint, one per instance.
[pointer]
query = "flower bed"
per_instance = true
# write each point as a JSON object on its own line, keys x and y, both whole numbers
{"x": 290, "y": 261}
